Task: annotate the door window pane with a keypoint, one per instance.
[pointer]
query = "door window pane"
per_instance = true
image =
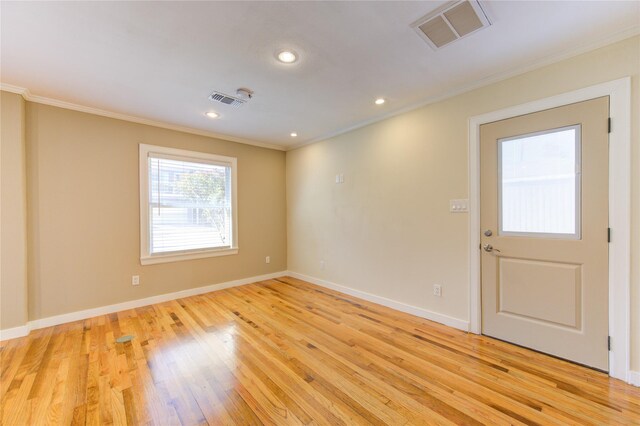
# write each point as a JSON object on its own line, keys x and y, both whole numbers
{"x": 539, "y": 184}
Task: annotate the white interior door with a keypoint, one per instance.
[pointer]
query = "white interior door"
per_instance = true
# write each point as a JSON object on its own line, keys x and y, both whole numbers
{"x": 544, "y": 224}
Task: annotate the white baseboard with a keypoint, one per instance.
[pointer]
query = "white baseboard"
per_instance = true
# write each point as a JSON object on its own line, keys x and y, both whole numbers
{"x": 413, "y": 310}
{"x": 634, "y": 378}
{"x": 15, "y": 332}
{"x": 12, "y": 333}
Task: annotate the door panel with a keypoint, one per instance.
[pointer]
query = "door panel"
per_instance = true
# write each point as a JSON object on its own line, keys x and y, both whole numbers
{"x": 544, "y": 196}
{"x": 524, "y": 287}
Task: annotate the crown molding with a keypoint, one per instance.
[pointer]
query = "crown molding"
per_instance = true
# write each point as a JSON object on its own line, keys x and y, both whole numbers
{"x": 15, "y": 89}
{"x": 492, "y": 79}
{"x": 28, "y": 96}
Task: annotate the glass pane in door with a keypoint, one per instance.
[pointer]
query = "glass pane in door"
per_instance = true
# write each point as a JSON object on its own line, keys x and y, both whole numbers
{"x": 539, "y": 184}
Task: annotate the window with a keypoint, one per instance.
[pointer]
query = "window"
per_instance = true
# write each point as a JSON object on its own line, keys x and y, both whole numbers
{"x": 539, "y": 184}
{"x": 187, "y": 205}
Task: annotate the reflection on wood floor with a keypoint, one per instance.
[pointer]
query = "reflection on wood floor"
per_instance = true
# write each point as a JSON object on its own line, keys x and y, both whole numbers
{"x": 288, "y": 352}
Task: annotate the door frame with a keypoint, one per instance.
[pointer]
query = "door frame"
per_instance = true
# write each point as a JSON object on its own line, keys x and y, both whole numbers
{"x": 619, "y": 92}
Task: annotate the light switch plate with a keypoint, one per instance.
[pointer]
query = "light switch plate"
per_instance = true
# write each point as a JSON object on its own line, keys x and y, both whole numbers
{"x": 459, "y": 206}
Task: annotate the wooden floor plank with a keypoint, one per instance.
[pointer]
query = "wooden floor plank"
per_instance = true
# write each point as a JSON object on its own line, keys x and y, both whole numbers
{"x": 287, "y": 352}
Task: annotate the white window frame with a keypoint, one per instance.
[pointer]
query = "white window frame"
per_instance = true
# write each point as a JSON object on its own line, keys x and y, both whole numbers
{"x": 146, "y": 257}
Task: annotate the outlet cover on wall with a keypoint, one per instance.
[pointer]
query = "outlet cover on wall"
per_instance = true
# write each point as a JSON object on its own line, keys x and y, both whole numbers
{"x": 135, "y": 280}
{"x": 267, "y": 259}
{"x": 437, "y": 290}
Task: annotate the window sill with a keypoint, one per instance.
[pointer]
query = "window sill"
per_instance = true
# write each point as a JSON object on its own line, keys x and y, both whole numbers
{"x": 177, "y": 257}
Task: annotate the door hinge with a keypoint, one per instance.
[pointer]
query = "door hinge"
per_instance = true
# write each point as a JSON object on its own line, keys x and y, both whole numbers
{"x": 609, "y": 125}
{"x": 608, "y": 235}
{"x": 609, "y": 342}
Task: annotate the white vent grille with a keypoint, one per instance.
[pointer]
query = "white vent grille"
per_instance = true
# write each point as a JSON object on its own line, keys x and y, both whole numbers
{"x": 226, "y": 99}
{"x": 451, "y": 22}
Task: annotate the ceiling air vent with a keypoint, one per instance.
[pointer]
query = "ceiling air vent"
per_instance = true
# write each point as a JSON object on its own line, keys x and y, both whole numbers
{"x": 451, "y": 22}
{"x": 243, "y": 95}
{"x": 226, "y": 99}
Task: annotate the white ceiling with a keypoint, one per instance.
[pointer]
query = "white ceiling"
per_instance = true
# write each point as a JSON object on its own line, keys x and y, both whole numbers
{"x": 161, "y": 60}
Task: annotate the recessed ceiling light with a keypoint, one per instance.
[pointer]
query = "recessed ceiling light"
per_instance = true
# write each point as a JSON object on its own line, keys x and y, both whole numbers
{"x": 380, "y": 101}
{"x": 294, "y": 134}
{"x": 212, "y": 114}
{"x": 287, "y": 56}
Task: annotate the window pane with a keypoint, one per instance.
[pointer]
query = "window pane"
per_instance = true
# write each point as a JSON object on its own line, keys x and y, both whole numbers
{"x": 539, "y": 187}
{"x": 189, "y": 205}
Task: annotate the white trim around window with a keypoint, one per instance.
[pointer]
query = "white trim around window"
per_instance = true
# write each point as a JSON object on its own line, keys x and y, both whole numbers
{"x": 146, "y": 255}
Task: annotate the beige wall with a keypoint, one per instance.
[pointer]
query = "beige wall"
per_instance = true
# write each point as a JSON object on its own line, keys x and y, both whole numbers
{"x": 83, "y": 204}
{"x": 13, "y": 213}
{"x": 387, "y": 230}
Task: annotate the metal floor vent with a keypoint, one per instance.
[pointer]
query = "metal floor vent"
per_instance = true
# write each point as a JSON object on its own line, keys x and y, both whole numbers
{"x": 451, "y": 22}
{"x": 226, "y": 99}
{"x": 124, "y": 339}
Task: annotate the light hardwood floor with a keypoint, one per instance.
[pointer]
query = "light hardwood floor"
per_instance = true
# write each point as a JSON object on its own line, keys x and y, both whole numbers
{"x": 287, "y": 352}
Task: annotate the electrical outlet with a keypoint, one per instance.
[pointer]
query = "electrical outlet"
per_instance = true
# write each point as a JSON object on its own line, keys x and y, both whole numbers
{"x": 437, "y": 290}
{"x": 135, "y": 280}
{"x": 267, "y": 259}
{"x": 322, "y": 264}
